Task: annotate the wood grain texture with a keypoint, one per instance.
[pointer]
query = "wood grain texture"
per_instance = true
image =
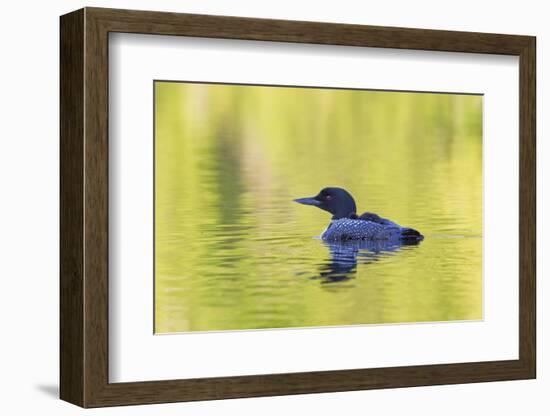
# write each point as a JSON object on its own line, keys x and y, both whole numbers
{"x": 527, "y": 207}
{"x": 71, "y": 100}
{"x": 84, "y": 207}
{"x": 96, "y": 218}
{"x": 226, "y": 27}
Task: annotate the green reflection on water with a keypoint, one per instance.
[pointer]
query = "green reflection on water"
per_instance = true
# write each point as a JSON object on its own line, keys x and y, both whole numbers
{"x": 234, "y": 252}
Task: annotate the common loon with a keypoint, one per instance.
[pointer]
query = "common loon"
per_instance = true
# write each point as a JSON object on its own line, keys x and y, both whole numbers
{"x": 346, "y": 225}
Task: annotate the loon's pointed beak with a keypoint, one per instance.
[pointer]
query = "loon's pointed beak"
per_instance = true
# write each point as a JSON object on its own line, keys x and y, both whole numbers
{"x": 308, "y": 201}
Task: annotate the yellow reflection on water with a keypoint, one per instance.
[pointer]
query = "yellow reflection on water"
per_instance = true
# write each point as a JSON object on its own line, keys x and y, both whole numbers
{"x": 232, "y": 251}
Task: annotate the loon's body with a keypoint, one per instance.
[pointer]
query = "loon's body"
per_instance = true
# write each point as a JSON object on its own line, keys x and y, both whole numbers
{"x": 359, "y": 229}
{"x": 346, "y": 225}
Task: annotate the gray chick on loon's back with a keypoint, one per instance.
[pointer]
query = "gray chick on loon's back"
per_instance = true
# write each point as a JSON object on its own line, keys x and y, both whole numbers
{"x": 346, "y": 225}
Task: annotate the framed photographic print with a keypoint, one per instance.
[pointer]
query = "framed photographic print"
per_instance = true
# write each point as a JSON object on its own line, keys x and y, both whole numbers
{"x": 255, "y": 207}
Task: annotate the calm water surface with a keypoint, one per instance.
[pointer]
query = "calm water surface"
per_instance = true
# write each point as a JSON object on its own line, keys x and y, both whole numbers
{"x": 234, "y": 252}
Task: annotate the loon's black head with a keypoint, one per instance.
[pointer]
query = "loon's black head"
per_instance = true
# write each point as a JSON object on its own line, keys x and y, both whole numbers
{"x": 337, "y": 201}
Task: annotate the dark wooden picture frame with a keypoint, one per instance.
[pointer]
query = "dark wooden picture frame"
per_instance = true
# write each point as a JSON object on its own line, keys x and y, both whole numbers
{"x": 84, "y": 207}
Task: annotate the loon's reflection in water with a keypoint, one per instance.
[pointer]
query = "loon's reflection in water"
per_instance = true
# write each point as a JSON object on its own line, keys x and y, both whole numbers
{"x": 346, "y": 255}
